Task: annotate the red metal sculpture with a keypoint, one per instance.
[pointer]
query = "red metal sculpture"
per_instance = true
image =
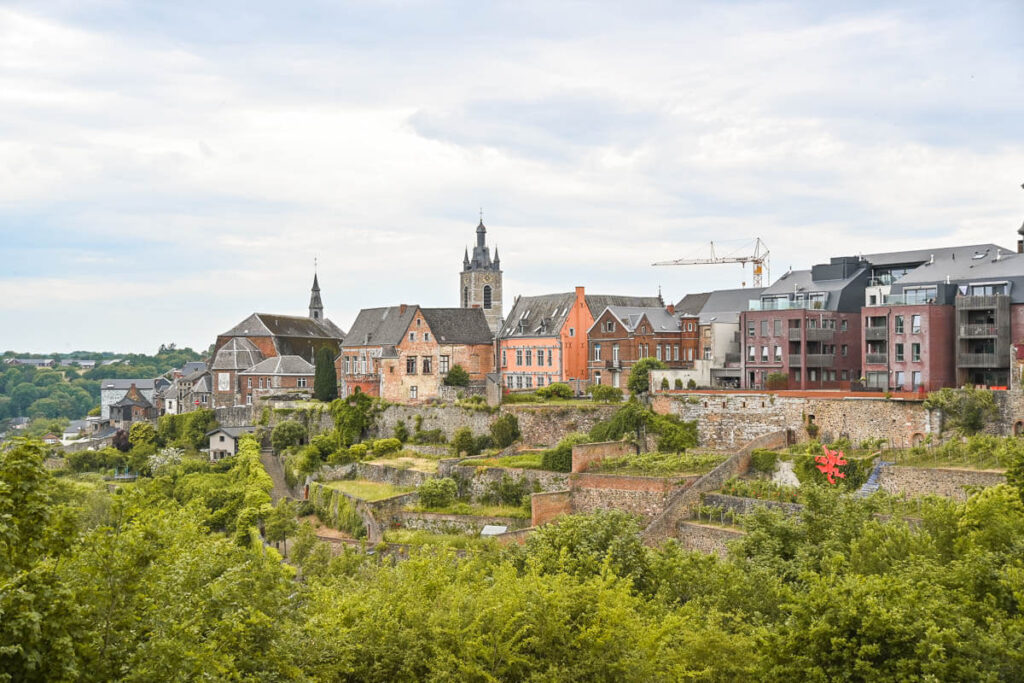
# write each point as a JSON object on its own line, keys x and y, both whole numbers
{"x": 829, "y": 464}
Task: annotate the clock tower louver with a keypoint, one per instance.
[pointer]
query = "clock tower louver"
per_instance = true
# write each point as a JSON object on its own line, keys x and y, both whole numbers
{"x": 480, "y": 280}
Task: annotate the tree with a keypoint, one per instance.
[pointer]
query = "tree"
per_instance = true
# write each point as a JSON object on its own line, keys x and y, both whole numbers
{"x": 287, "y": 434}
{"x": 437, "y": 493}
{"x": 457, "y": 377}
{"x": 281, "y": 522}
{"x": 325, "y": 381}
{"x": 966, "y": 410}
{"x": 505, "y": 430}
{"x": 463, "y": 442}
{"x": 640, "y": 376}
{"x": 142, "y": 433}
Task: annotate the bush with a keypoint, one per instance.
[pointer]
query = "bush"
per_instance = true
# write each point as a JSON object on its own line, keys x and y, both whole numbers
{"x": 764, "y": 460}
{"x": 386, "y": 446}
{"x": 674, "y": 435}
{"x": 401, "y": 432}
{"x": 966, "y": 410}
{"x": 463, "y": 442}
{"x": 556, "y": 390}
{"x": 664, "y": 383}
{"x": 776, "y": 380}
{"x": 358, "y": 451}
{"x": 559, "y": 458}
{"x": 437, "y": 493}
{"x": 482, "y": 443}
{"x": 521, "y": 397}
{"x": 457, "y": 377}
{"x": 508, "y": 491}
{"x": 325, "y": 443}
{"x": 606, "y": 394}
{"x": 692, "y": 384}
{"x": 505, "y": 430}
{"x": 679, "y": 383}
{"x": 640, "y": 375}
{"x": 309, "y": 460}
{"x": 430, "y": 436}
{"x": 287, "y": 434}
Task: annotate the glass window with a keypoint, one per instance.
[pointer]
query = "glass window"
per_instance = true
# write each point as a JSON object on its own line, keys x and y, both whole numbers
{"x": 778, "y": 353}
{"x": 414, "y": 392}
{"x": 915, "y": 324}
{"x": 572, "y": 331}
{"x": 412, "y": 336}
{"x": 777, "y": 324}
{"x": 529, "y": 356}
{"x": 750, "y": 328}
{"x": 549, "y": 357}
{"x": 658, "y": 350}
{"x": 443, "y": 367}
{"x": 752, "y": 353}
{"x": 426, "y": 336}
{"x": 504, "y": 359}
{"x": 916, "y": 375}
{"x": 898, "y": 324}
{"x": 764, "y": 354}
{"x": 519, "y": 356}
{"x": 764, "y": 328}
{"x": 901, "y": 379}
{"x": 426, "y": 365}
{"x": 675, "y": 351}
{"x": 915, "y": 352}
{"x": 597, "y": 352}
{"x": 410, "y": 365}
{"x": 540, "y": 380}
{"x": 846, "y": 349}
{"x": 844, "y": 325}
{"x": 899, "y": 353}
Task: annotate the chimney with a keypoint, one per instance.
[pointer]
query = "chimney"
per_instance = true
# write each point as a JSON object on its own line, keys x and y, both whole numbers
{"x": 401, "y": 309}
{"x": 579, "y": 295}
{"x": 671, "y": 309}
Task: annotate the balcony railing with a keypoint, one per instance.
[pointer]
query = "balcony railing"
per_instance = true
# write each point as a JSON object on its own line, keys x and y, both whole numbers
{"x": 784, "y": 305}
{"x": 613, "y": 364}
{"x": 990, "y": 301}
{"x": 820, "y": 360}
{"x": 795, "y": 360}
{"x": 876, "y": 333}
{"x": 876, "y": 358}
{"x": 980, "y": 360}
{"x": 979, "y": 331}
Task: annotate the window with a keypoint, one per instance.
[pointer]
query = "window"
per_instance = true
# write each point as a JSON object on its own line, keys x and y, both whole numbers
{"x": 529, "y": 381}
{"x": 916, "y": 376}
{"x": 572, "y": 331}
{"x": 261, "y": 382}
{"x": 504, "y": 358}
{"x": 465, "y": 297}
{"x": 419, "y": 321}
{"x": 764, "y": 354}
{"x": 248, "y": 399}
{"x": 540, "y": 380}
{"x": 707, "y": 353}
{"x": 689, "y": 327}
{"x": 844, "y": 325}
{"x": 529, "y": 356}
{"x": 412, "y": 336}
{"x": 846, "y": 375}
{"x": 426, "y": 364}
{"x": 751, "y": 353}
{"x": 915, "y": 352}
{"x": 920, "y": 295}
{"x": 410, "y": 365}
{"x": 487, "y": 297}
{"x": 302, "y": 382}
{"x": 778, "y": 353}
{"x": 675, "y": 351}
{"x": 777, "y": 324}
{"x": 750, "y": 328}
{"x": 812, "y": 375}
{"x": 250, "y": 383}
{"x": 426, "y": 336}
{"x": 915, "y": 324}
{"x": 658, "y": 351}
{"x": 508, "y": 381}
{"x": 901, "y": 379}
{"x": 993, "y": 289}
{"x": 597, "y": 352}
{"x": 550, "y": 355}
{"x": 519, "y": 381}
{"x": 615, "y": 353}
{"x": 845, "y": 349}
{"x": 443, "y": 365}
{"x": 898, "y": 324}
{"x": 689, "y": 354}
{"x": 414, "y": 392}
{"x": 764, "y": 328}
{"x": 519, "y": 356}
{"x": 609, "y": 326}
{"x": 899, "y": 353}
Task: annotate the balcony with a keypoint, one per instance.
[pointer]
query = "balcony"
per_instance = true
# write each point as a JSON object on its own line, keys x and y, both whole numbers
{"x": 981, "y": 302}
{"x": 613, "y": 365}
{"x": 820, "y": 360}
{"x": 979, "y": 331}
{"x": 980, "y": 360}
{"x": 876, "y": 358}
{"x": 785, "y": 305}
{"x": 876, "y": 333}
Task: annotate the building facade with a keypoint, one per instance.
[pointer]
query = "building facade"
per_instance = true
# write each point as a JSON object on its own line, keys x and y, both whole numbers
{"x": 480, "y": 283}
{"x": 622, "y": 335}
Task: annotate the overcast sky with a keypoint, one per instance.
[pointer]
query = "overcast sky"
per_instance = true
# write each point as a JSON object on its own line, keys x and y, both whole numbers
{"x": 167, "y": 168}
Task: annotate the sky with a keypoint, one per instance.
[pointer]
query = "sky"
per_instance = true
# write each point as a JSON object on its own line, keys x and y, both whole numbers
{"x": 167, "y": 168}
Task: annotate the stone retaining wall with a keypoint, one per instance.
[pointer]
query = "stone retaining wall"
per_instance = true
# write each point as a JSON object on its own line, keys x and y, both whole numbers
{"x": 710, "y": 540}
{"x": 447, "y": 418}
{"x": 451, "y": 524}
{"x": 949, "y": 482}
{"x": 585, "y": 455}
{"x": 477, "y": 480}
{"x": 546, "y": 425}
{"x": 744, "y": 506}
{"x": 643, "y": 496}
{"x": 236, "y": 416}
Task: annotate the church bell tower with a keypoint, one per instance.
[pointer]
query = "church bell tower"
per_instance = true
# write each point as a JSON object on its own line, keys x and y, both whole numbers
{"x": 480, "y": 280}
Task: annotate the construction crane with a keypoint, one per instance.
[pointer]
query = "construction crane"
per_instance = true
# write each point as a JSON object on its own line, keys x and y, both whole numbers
{"x": 759, "y": 259}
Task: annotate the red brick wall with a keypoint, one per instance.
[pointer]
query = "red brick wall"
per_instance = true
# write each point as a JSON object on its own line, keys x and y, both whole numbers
{"x": 585, "y": 455}
{"x": 545, "y": 507}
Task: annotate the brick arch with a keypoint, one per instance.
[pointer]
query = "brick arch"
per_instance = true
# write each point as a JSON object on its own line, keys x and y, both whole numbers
{"x": 917, "y": 439}
{"x": 1018, "y": 428}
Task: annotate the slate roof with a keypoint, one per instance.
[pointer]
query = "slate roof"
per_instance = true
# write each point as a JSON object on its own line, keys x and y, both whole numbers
{"x": 202, "y": 385}
{"x": 271, "y": 325}
{"x": 233, "y": 432}
{"x": 924, "y": 255}
{"x": 238, "y": 354}
{"x": 725, "y": 305}
{"x": 282, "y": 365}
{"x": 598, "y": 302}
{"x": 691, "y": 304}
{"x": 630, "y": 316}
{"x": 105, "y": 432}
{"x": 192, "y": 367}
{"x": 379, "y": 326}
{"x": 140, "y": 384}
{"x": 544, "y": 315}
{"x": 458, "y": 325}
{"x": 802, "y": 281}
{"x": 970, "y": 266}
{"x": 128, "y": 401}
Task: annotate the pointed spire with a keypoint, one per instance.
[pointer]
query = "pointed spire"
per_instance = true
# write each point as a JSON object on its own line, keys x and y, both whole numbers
{"x": 316, "y": 305}
{"x": 497, "y": 259}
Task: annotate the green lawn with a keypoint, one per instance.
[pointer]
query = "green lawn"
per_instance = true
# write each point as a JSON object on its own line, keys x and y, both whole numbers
{"x": 476, "y": 509}
{"x": 425, "y": 538}
{"x": 367, "y": 490}
{"x": 528, "y": 461}
{"x": 660, "y": 464}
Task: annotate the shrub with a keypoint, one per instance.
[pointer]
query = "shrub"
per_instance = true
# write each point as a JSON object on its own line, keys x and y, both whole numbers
{"x": 812, "y": 430}
{"x": 358, "y": 451}
{"x": 640, "y": 375}
{"x": 505, "y": 430}
{"x": 679, "y": 383}
{"x": 401, "y": 432}
{"x": 386, "y": 446}
{"x": 287, "y": 434}
{"x": 508, "y": 491}
{"x": 463, "y": 442}
{"x": 482, "y": 443}
{"x": 692, "y": 384}
{"x": 776, "y": 380}
{"x": 309, "y": 460}
{"x": 664, "y": 383}
{"x": 559, "y": 458}
{"x": 457, "y": 377}
{"x": 966, "y": 410}
{"x": 521, "y": 397}
{"x": 556, "y": 390}
{"x": 325, "y": 443}
{"x": 438, "y": 493}
{"x": 434, "y": 436}
{"x": 606, "y": 394}
{"x": 764, "y": 460}
{"x": 674, "y": 435}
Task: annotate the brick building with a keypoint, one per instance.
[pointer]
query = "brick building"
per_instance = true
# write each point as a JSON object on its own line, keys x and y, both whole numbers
{"x": 544, "y": 338}
{"x": 281, "y": 374}
{"x": 622, "y": 335}
{"x": 132, "y": 407}
{"x": 719, "y": 315}
{"x": 403, "y": 353}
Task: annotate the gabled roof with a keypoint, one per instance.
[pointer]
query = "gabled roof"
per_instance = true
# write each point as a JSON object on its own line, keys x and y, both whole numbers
{"x": 972, "y": 266}
{"x": 281, "y": 365}
{"x": 380, "y": 326}
{"x": 630, "y": 317}
{"x": 192, "y": 367}
{"x": 538, "y": 316}
{"x": 272, "y": 325}
{"x": 458, "y": 325}
{"x": 725, "y": 305}
{"x": 598, "y": 302}
{"x": 924, "y": 255}
{"x": 202, "y": 385}
{"x": 129, "y": 401}
{"x": 238, "y": 354}
{"x": 140, "y": 384}
{"x": 233, "y": 432}
{"x": 692, "y": 303}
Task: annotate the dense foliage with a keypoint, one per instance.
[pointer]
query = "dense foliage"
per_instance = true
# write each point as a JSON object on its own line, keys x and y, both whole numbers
{"x": 965, "y": 410}
{"x": 640, "y": 375}
{"x": 325, "y": 379}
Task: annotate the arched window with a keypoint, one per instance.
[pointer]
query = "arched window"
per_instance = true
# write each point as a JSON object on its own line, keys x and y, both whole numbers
{"x": 487, "y": 296}
{"x": 465, "y": 297}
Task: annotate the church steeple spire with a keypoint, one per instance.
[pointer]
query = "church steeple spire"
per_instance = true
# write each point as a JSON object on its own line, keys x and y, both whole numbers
{"x": 316, "y": 306}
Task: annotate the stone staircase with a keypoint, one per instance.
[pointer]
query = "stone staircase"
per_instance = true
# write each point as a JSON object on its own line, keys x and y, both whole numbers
{"x": 871, "y": 485}
{"x": 275, "y": 468}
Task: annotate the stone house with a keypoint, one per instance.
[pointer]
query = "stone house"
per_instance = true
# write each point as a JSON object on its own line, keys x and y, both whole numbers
{"x": 133, "y": 407}
{"x": 113, "y": 390}
{"x": 622, "y": 335}
{"x": 373, "y": 337}
{"x": 281, "y": 374}
{"x": 224, "y": 441}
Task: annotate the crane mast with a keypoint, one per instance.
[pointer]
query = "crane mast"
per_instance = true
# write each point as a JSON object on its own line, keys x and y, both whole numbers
{"x": 759, "y": 259}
